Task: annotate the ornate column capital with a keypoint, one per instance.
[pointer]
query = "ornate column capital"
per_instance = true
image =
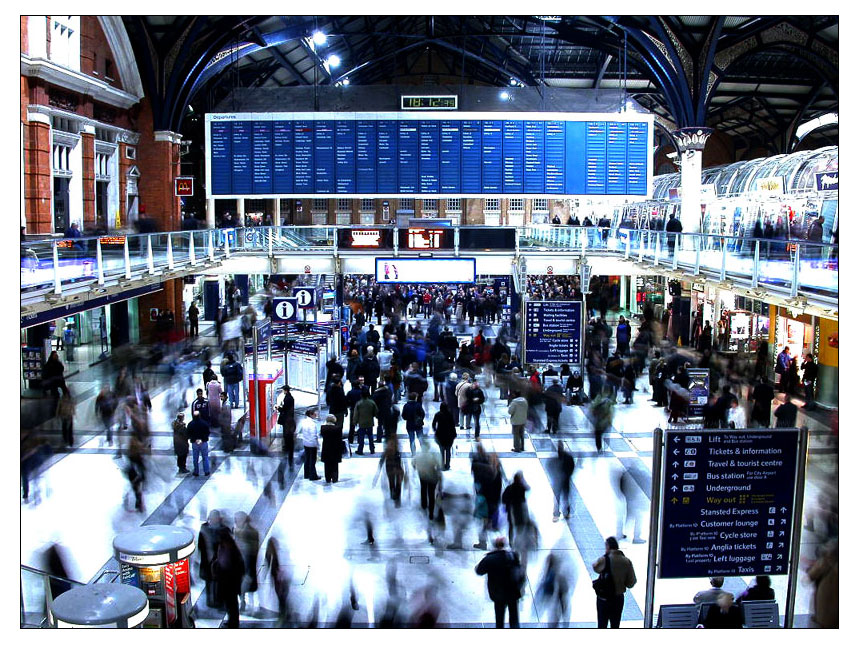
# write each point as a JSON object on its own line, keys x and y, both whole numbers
{"x": 692, "y": 138}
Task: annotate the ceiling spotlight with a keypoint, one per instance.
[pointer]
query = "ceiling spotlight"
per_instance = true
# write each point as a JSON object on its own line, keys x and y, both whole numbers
{"x": 505, "y": 95}
{"x": 333, "y": 60}
{"x": 513, "y": 82}
{"x": 319, "y": 38}
{"x": 345, "y": 81}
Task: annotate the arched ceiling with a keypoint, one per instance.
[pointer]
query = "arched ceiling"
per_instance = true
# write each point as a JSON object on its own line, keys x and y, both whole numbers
{"x": 755, "y": 78}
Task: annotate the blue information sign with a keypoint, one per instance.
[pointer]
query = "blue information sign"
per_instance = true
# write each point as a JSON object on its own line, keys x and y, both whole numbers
{"x": 700, "y": 388}
{"x": 284, "y": 310}
{"x": 553, "y": 332}
{"x": 728, "y": 500}
{"x": 386, "y": 154}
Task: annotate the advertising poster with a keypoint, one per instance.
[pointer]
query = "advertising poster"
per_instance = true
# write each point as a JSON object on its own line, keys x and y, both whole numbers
{"x": 419, "y": 270}
{"x": 700, "y": 384}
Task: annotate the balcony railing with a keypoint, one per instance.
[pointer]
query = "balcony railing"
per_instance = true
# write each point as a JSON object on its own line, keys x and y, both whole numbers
{"x": 791, "y": 267}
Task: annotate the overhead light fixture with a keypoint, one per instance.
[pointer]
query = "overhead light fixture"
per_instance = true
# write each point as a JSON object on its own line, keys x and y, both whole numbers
{"x": 333, "y": 60}
{"x": 504, "y": 95}
{"x": 319, "y": 38}
{"x": 513, "y": 82}
{"x": 345, "y": 81}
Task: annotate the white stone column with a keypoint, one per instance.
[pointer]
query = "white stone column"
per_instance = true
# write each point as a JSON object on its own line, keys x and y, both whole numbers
{"x": 210, "y": 213}
{"x": 691, "y": 143}
{"x": 240, "y": 209}
{"x": 622, "y": 291}
{"x": 276, "y": 211}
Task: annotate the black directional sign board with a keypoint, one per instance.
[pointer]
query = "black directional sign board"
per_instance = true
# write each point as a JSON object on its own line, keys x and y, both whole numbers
{"x": 553, "y": 332}
{"x": 727, "y": 502}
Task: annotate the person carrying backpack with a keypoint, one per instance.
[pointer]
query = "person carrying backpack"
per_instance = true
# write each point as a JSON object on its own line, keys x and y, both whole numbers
{"x": 505, "y": 580}
{"x": 616, "y": 577}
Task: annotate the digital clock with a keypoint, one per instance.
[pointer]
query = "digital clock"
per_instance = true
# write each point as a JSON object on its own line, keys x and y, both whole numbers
{"x": 428, "y": 102}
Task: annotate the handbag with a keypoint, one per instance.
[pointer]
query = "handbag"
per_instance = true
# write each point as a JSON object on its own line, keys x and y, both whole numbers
{"x": 604, "y": 585}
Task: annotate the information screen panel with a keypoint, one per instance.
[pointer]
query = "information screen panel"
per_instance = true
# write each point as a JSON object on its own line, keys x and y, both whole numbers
{"x": 462, "y": 154}
{"x": 420, "y": 270}
{"x": 553, "y": 332}
{"x": 728, "y": 499}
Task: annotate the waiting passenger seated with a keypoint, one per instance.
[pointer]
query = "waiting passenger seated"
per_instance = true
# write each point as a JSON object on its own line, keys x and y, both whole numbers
{"x": 724, "y": 614}
{"x": 712, "y": 594}
{"x": 761, "y": 590}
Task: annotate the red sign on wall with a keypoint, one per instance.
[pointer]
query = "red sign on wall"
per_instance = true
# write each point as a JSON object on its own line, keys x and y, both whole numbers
{"x": 183, "y": 187}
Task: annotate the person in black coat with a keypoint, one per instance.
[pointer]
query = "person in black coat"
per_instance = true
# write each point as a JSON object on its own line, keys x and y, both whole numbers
{"x": 207, "y": 545}
{"x": 514, "y": 499}
{"x": 786, "y": 414}
{"x": 336, "y": 401}
{"x": 724, "y": 614}
{"x": 369, "y": 369}
{"x": 332, "y": 448}
{"x": 761, "y": 590}
{"x": 560, "y": 469}
{"x": 52, "y": 376}
{"x": 287, "y": 421}
{"x": 762, "y": 395}
{"x": 552, "y": 405}
{"x": 673, "y": 226}
{"x": 228, "y": 569}
{"x": 353, "y": 397}
{"x": 505, "y": 579}
{"x": 445, "y": 432}
{"x": 383, "y": 399}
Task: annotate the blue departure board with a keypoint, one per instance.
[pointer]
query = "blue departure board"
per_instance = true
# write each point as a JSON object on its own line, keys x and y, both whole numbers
{"x": 344, "y": 157}
{"x": 449, "y": 156}
{"x": 595, "y": 158}
{"x": 533, "y": 172}
{"x": 616, "y": 158}
{"x": 221, "y": 155}
{"x": 470, "y": 158}
{"x": 513, "y": 161}
{"x": 554, "y": 157}
{"x": 386, "y": 161}
{"x": 428, "y": 156}
{"x": 365, "y": 156}
{"x": 282, "y": 152}
{"x": 491, "y": 171}
{"x": 261, "y": 153}
{"x": 386, "y": 154}
{"x": 324, "y": 156}
{"x": 303, "y": 133}
{"x": 242, "y": 164}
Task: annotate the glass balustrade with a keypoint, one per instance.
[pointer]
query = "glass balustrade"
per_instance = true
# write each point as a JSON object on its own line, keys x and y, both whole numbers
{"x": 793, "y": 265}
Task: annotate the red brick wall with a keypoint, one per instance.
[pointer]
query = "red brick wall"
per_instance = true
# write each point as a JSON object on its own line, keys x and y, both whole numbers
{"x": 95, "y": 51}
{"x": 89, "y": 179}
{"x": 25, "y": 41}
{"x": 158, "y": 162}
{"x": 38, "y": 188}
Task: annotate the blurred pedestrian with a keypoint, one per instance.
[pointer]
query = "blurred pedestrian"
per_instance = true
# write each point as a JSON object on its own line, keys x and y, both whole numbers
{"x": 228, "y": 570}
{"x": 759, "y": 590}
{"x": 213, "y": 392}
{"x": 514, "y": 499}
{"x": 474, "y": 401}
{"x": 724, "y": 613}
{"x": 66, "y": 414}
{"x": 207, "y": 545}
{"x": 364, "y": 413}
{"x": 248, "y": 541}
{"x": 560, "y": 469}
{"x": 824, "y": 574}
{"x": 428, "y": 464}
{"x": 392, "y": 461}
{"x": 553, "y": 590}
{"x": 505, "y": 580}
{"x": 105, "y": 405}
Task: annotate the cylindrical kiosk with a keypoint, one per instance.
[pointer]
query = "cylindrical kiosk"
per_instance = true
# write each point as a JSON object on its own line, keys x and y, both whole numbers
{"x": 100, "y": 605}
{"x": 156, "y": 559}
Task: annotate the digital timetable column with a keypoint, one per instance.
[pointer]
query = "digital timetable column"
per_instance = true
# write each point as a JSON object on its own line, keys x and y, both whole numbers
{"x": 457, "y": 154}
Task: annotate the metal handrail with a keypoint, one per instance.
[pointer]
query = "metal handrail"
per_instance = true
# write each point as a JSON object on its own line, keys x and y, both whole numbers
{"x": 151, "y": 253}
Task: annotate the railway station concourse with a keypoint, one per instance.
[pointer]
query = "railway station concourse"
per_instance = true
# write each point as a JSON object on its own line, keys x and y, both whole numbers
{"x": 454, "y": 310}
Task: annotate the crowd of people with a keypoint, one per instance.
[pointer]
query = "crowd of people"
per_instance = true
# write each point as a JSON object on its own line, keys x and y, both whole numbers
{"x": 391, "y": 372}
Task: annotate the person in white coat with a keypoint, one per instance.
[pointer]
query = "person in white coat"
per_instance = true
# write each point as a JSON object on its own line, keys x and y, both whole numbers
{"x": 737, "y": 416}
{"x": 213, "y": 390}
{"x": 310, "y": 440}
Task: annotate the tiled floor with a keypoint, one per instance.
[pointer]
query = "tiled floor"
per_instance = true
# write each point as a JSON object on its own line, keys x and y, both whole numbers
{"x": 321, "y": 527}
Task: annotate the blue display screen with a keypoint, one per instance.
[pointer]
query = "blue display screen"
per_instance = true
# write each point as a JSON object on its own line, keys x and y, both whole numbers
{"x": 387, "y": 155}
